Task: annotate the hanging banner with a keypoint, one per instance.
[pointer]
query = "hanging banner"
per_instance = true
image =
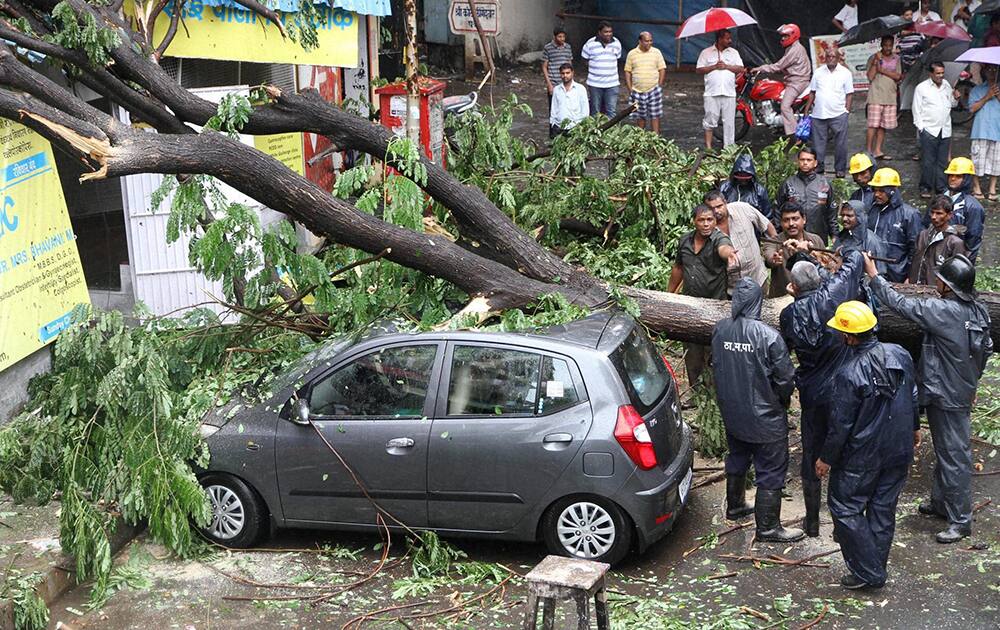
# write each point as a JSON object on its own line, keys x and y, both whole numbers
{"x": 237, "y": 34}
{"x": 855, "y": 56}
{"x": 41, "y": 279}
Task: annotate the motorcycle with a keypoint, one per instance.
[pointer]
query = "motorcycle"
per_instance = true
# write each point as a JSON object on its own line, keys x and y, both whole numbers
{"x": 758, "y": 102}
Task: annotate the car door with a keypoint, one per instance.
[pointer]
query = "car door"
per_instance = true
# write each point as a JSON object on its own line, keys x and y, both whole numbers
{"x": 508, "y": 422}
{"x": 373, "y": 408}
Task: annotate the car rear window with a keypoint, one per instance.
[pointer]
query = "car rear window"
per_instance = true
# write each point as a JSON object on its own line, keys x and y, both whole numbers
{"x": 643, "y": 370}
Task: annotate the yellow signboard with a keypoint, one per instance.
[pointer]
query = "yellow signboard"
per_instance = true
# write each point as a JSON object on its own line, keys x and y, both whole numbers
{"x": 41, "y": 279}
{"x": 284, "y": 147}
{"x": 237, "y": 34}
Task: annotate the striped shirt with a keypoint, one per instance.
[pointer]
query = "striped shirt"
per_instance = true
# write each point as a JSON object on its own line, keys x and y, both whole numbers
{"x": 556, "y": 56}
{"x": 602, "y": 62}
{"x": 645, "y": 67}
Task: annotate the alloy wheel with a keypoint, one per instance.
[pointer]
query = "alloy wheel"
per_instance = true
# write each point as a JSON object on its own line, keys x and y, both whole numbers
{"x": 228, "y": 516}
{"x": 586, "y": 530}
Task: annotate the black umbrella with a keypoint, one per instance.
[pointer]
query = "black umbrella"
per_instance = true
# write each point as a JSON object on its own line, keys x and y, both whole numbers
{"x": 946, "y": 50}
{"x": 988, "y": 6}
{"x": 874, "y": 29}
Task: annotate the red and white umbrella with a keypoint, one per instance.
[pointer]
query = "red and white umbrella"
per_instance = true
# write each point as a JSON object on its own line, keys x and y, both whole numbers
{"x": 713, "y": 20}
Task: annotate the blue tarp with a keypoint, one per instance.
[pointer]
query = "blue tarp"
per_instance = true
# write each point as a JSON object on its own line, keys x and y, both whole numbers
{"x": 379, "y": 8}
{"x": 663, "y": 36}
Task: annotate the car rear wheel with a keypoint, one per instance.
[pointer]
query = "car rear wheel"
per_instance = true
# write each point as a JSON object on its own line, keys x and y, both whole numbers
{"x": 238, "y": 515}
{"x": 590, "y": 528}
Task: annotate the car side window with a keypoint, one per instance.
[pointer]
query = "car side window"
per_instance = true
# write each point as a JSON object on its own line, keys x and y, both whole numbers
{"x": 558, "y": 390}
{"x": 493, "y": 382}
{"x": 391, "y": 382}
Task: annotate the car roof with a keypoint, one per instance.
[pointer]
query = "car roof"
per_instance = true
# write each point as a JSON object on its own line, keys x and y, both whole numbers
{"x": 602, "y": 331}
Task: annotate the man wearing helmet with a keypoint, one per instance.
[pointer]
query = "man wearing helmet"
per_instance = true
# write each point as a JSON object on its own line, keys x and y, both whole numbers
{"x": 966, "y": 209}
{"x": 862, "y": 168}
{"x": 869, "y": 444}
{"x": 955, "y": 348}
{"x": 795, "y": 69}
{"x": 895, "y": 222}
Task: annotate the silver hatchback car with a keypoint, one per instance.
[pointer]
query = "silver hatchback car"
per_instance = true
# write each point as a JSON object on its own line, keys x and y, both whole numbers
{"x": 573, "y": 436}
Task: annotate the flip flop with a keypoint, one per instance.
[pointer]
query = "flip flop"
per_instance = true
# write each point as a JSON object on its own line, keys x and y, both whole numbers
{"x": 884, "y": 157}
{"x": 979, "y": 195}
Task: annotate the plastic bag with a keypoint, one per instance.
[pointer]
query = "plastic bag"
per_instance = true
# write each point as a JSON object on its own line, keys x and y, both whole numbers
{"x": 803, "y": 131}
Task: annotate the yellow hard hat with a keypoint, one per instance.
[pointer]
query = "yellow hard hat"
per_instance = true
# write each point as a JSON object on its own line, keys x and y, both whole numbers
{"x": 884, "y": 177}
{"x": 860, "y": 162}
{"x": 960, "y": 166}
{"x": 853, "y": 317}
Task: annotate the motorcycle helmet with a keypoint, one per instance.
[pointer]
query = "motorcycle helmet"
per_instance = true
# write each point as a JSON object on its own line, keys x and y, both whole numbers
{"x": 790, "y": 34}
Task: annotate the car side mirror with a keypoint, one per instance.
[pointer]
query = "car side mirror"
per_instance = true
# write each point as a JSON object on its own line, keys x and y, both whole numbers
{"x": 300, "y": 412}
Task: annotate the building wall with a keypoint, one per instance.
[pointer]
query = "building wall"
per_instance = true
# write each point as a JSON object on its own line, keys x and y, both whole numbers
{"x": 525, "y": 25}
{"x": 14, "y": 381}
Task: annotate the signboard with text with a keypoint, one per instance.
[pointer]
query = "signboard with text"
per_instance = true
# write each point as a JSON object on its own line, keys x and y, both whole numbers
{"x": 237, "y": 34}
{"x": 41, "y": 279}
{"x": 461, "y": 22}
{"x": 855, "y": 56}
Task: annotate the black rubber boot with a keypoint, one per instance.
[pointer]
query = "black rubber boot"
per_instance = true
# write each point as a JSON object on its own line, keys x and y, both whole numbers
{"x": 736, "y": 498}
{"x": 768, "y": 513}
{"x": 811, "y": 492}
{"x": 927, "y": 509}
{"x": 954, "y": 533}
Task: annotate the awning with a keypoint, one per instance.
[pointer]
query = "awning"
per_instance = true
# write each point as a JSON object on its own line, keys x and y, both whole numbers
{"x": 379, "y": 8}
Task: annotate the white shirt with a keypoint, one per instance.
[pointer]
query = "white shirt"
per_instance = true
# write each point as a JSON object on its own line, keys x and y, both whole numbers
{"x": 848, "y": 16}
{"x": 932, "y": 108}
{"x": 572, "y": 106}
{"x": 932, "y": 16}
{"x": 971, "y": 6}
{"x": 831, "y": 89}
{"x": 719, "y": 82}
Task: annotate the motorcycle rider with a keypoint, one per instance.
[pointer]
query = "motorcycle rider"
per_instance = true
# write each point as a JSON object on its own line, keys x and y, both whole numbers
{"x": 796, "y": 72}
{"x": 742, "y": 185}
{"x": 751, "y": 363}
{"x": 820, "y": 353}
{"x": 874, "y": 428}
{"x": 862, "y": 167}
{"x": 954, "y": 352}
{"x": 813, "y": 192}
{"x": 895, "y": 222}
{"x": 966, "y": 209}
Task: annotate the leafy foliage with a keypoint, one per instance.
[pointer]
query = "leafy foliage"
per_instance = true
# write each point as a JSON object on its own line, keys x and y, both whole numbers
{"x": 82, "y": 32}
{"x": 30, "y": 611}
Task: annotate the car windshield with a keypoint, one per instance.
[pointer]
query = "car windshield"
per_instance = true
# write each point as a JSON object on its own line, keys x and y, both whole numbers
{"x": 644, "y": 370}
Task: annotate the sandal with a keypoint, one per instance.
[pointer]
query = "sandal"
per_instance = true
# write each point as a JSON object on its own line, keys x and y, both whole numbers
{"x": 884, "y": 157}
{"x": 979, "y": 195}
{"x": 992, "y": 197}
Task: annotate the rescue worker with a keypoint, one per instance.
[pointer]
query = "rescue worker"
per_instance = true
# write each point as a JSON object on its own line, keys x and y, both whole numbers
{"x": 796, "y": 72}
{"x": 936, "y": 244}
{"x": 966, "y": 209}
{"x": 869, "y": 444}
{"x": 742, "y": 185}
{"x": 854, "y": 232}
{"x": 895, "y": 222}
{"x": 812, "y": 191}
{"x": 954, "y": 352}
{"x": 754, "y": 380}
{"x": 862, "y": 167}
{"x": 820, "y": 354}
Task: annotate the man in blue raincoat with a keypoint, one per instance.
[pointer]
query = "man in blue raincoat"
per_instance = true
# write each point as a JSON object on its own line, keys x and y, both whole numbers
{"x": 869, "y": 444}
{"x": 754, "y": 380}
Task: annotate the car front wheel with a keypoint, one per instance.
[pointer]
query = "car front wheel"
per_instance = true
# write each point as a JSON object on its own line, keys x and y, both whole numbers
{"x": 590, "y": 528}
{"x": 238, "y": 515}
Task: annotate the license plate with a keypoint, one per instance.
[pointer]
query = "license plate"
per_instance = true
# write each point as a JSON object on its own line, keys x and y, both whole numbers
{"x": 685, "y": 485}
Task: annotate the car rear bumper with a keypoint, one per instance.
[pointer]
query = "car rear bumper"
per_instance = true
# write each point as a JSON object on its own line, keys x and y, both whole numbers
{"x": 652, "y": 497}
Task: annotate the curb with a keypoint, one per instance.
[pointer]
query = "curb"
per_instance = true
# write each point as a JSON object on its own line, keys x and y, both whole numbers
{"x": 58, "y": 579}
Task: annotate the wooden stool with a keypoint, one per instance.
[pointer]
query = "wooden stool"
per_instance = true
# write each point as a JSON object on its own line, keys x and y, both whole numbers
{"x": 556, "y": 578}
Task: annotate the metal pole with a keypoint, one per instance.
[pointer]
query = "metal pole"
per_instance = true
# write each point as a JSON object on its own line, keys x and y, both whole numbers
{"x": 412, "y": 85}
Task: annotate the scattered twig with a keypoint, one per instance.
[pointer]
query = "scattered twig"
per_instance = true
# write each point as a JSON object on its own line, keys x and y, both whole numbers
{"x": 755, "y": 613}
{"x": 709, "y": 479}
{"x": 984, "y": 473}
{"x": 773, "y": 559}
{"x": 818, "y": 618}
{"x": 814, "y": 557}
{"x": 722, "y": 576}
{"x": 981, "y": 505}
{"x": 360, "y": 619}
{"x": 719, "y": 536}
{"x": 707, "y": 468}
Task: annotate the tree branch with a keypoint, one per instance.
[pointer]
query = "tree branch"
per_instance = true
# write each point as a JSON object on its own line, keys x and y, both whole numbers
{"x": 263, "y": 11}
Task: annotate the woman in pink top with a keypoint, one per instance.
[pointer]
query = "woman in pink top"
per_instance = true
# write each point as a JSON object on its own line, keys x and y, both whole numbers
{"x": 884, "y": 72}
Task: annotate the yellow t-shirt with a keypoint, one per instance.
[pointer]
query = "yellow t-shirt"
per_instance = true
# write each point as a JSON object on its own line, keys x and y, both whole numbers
{"x": 645, "y": 68}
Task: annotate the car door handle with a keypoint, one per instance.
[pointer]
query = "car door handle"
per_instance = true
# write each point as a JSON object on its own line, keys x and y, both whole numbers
{"x": 401, "y": 442}
{"x": 564, "y": 438}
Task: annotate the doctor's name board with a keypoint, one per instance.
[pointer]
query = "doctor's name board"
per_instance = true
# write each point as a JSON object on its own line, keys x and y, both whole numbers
{"x": 228, "y": 33}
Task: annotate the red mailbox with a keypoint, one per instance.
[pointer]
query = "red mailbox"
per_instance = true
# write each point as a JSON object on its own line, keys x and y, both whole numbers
{"x": 392, "y": 108}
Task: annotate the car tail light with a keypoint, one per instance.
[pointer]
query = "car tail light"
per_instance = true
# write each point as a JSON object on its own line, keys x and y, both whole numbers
{"x": 633, "y": 436}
